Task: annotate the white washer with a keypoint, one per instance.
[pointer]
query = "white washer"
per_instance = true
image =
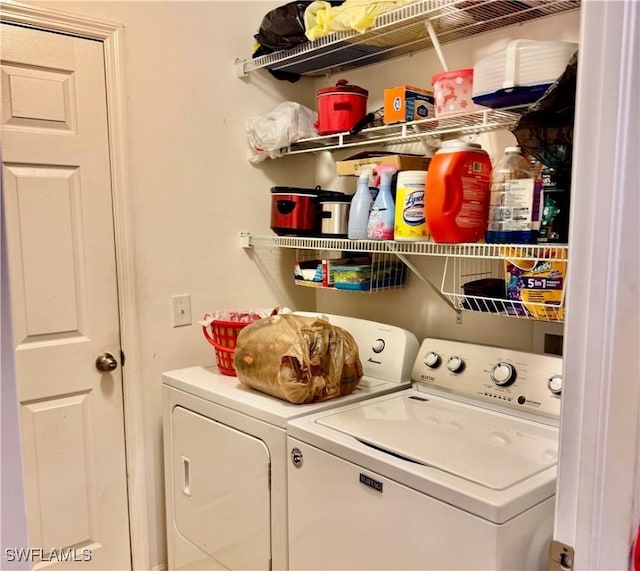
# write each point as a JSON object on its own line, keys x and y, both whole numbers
{"x": 226, "y": 455}
{"x": 457, "y": 472}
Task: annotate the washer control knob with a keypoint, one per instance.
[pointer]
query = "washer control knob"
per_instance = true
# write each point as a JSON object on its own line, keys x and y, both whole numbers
{"x": 503, "y": 374}
{"x": 432, "y": 360}
{"x": 455, "y": 364}
{"x": 378, "y": 346}
{"x": 555, "y": 384}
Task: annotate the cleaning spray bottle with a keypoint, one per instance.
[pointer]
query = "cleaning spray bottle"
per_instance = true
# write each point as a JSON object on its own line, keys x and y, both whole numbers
{"x": 382, "y": 217}
{"x": 360, "y": 207}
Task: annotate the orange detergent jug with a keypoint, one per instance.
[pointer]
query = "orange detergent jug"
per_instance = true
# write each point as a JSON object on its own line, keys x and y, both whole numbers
{"x": 457, "y": 193}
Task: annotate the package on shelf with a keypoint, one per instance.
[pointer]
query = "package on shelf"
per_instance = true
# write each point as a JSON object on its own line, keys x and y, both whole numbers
{"x": 407, "y": 103}
{"x": 321, "y": 272}
{"x": 354, "y": 165}
{"x": 535, "y": 285}
{"x": 371, "y": 276}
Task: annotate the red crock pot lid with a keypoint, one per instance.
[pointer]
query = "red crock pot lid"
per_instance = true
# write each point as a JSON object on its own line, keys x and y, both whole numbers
{"x": 342, "y": 86}
{"x": 295, "y": 190}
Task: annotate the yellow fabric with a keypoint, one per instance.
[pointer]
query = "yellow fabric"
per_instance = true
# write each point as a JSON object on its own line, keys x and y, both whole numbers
{"x": 320, "y": 18}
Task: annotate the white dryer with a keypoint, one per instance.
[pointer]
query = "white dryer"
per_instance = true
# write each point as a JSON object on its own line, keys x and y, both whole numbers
{"x": 225, "y": 454}
{"x": 457, "y": 472}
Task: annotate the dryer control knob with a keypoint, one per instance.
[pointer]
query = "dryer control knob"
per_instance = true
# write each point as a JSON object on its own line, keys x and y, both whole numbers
{"x": 503, "y": 374}
{"x": 555, "y": 384}
{"x": 432, "y": 360}
{"x": 378, "y": 346}
{"x": 455, "y": 364}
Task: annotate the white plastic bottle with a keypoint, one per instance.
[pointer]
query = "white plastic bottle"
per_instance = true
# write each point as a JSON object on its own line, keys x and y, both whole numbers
{"x": 513, "y": 200}
{"x": 359, "y": 209}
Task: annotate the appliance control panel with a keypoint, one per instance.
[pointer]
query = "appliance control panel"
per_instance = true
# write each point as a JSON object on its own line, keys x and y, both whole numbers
{"x": 386, "y": 352}
{"x": 526, "y": 383}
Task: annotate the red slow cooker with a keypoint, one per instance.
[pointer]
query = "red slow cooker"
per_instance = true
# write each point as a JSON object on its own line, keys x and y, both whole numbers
{"x": 340, "y": 107}
{"x": 297, "y": 211}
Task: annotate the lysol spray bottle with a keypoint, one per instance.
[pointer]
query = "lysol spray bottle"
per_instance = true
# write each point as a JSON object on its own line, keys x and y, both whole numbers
{"x": 457, "y": 198}
{"x": 382, "y": 216}
{"x": 410, "y": 220}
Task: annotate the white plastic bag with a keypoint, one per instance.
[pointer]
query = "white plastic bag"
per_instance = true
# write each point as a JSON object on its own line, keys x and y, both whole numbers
{"x": 268, "y": 134}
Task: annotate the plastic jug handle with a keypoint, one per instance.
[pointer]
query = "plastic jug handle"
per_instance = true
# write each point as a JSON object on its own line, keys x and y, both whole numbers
{"x": 452, "y": 201}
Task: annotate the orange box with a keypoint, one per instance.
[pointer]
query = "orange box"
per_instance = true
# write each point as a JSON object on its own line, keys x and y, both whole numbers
{"x": 407, "y": 103}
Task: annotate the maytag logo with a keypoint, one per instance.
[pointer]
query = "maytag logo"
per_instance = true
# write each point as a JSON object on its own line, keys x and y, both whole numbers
{"x": 372, "y": 360}
{"x": 367, "y": 481}
{"x": 428, "y": 377}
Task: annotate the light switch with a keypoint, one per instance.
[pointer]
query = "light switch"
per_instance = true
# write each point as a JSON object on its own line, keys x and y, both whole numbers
{"x": 180, "y": 310}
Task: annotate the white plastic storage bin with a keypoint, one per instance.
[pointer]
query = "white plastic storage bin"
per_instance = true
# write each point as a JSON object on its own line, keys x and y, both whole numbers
{"x": 521, "y": 73}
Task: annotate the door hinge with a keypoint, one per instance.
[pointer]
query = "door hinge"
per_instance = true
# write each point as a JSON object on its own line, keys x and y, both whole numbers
{"x": 121, "y": 358}
{"x": 560, "y": 556}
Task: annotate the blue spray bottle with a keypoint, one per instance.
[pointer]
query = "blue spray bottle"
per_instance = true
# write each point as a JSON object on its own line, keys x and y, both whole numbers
{"x": 360, "y": 208}
{"x": 382, "y": 216}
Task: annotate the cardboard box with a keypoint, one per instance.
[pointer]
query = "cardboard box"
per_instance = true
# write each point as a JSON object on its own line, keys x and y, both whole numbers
{"x": 321, "y": 273}
{"x": 536, "y": 287}
{"x": 407, "y": 103}
{"x": 370, "y": 276}
{"x": 400, "y": 162}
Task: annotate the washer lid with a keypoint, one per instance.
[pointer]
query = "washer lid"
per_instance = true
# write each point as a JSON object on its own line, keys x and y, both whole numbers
{"x": 491, "y": 449}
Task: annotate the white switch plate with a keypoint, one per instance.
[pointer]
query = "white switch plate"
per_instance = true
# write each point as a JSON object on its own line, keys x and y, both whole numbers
{"x": 180, "y": 310}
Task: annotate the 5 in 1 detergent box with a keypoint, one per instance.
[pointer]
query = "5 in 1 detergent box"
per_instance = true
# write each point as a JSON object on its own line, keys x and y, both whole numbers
{"x": 407, "y": 103}
{"x": 535, "y": 288}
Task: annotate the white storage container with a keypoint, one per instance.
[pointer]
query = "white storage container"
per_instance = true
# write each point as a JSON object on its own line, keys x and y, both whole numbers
{"x": 521, "y": 73}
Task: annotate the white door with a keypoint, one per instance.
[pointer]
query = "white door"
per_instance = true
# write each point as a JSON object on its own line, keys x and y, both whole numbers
{"x": 60, "y": 237}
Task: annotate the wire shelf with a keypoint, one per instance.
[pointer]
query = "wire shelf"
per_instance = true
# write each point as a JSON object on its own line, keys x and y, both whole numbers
{"x": 403, "y": 31}
{"x": 479, "y": 250}
{"x": 431, "y": 130}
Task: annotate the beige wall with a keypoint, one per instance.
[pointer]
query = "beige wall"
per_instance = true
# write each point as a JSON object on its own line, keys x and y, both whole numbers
{"x": 193, "y": 189}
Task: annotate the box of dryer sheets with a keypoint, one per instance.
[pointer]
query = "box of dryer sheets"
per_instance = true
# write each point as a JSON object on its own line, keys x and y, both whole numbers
{"x": 353, "y": 164}
{"x": 407, "y": 103}
{"x": 535, "y": 286}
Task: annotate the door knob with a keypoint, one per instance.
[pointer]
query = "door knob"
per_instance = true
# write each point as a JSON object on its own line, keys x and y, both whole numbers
{"x": 106, "y": 362}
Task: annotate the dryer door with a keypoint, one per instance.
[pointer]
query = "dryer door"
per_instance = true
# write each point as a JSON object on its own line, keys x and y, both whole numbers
{"x": 221, "y": 490}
